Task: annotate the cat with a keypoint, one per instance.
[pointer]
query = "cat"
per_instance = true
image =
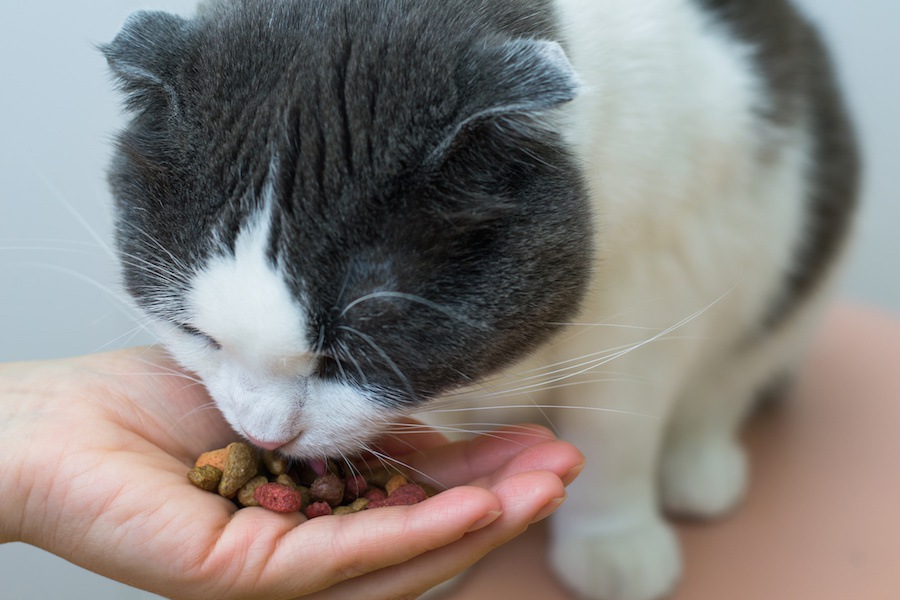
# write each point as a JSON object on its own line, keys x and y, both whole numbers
{"x": 336, "y": 213}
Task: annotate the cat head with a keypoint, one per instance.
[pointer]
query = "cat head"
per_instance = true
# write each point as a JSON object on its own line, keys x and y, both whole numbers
{"x": 332, "y": 214}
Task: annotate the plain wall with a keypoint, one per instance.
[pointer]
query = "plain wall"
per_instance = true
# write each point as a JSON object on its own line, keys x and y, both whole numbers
{"x": 58, "y": 283}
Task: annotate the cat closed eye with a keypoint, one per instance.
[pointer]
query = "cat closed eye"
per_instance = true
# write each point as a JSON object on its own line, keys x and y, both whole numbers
{"x": 191, "y": 330}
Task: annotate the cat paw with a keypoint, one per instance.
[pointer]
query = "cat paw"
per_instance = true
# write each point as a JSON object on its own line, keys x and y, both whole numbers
{"x": 703, "y": 479}
{"x": 642, "y": 562}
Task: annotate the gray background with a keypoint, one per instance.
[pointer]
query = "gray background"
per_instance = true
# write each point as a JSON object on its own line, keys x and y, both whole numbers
{"x": 58, "y": 285}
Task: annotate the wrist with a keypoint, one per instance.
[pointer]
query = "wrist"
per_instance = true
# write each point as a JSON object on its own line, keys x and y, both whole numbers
{"x": 24, "y": 399}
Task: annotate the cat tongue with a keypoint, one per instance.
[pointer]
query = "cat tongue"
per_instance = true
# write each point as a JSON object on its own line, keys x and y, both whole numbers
{"x": 318, "y": 465}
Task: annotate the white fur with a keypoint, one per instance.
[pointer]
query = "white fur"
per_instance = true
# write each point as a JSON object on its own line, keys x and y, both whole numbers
{"x": 691, "y": 221}
{"x": 259, "y": 377}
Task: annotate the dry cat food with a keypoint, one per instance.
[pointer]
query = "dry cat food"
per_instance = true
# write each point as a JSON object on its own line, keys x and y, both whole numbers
{"x": 251, "y": 478}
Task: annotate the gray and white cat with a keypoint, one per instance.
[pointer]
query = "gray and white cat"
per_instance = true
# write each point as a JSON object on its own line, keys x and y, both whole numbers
{"x": 338, "y": 211}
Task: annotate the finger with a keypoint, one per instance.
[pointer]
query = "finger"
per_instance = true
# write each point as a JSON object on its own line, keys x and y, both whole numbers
{"x": 560, "y": 458}
{"x": 461, "y": 462}
{"x": 357, "y": 544}
{"x": 408, "y": 436}
{"x": 524, "y": 496}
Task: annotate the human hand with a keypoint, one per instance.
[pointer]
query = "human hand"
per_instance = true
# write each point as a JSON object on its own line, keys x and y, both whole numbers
{"x": 98, "y": 449}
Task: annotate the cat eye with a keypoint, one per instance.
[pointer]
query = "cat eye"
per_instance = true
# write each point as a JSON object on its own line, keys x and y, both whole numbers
{"x": 190, "y": 330}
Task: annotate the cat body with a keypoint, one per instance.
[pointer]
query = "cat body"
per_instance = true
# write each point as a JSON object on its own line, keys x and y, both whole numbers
{"x": 337, "y": 213}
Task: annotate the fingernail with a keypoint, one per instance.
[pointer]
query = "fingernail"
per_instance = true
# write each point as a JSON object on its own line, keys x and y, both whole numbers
{"x": 485, "y": 520}
{"x": 571, "y": 474}
{"x": 549, "y": 509}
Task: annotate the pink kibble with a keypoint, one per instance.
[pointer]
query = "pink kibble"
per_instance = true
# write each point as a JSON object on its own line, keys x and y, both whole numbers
{"x": 404, "y": 495}
{"x": 278, "y": 497}
{"x": 318, "y": 509}
{"x": 375, "y": 494}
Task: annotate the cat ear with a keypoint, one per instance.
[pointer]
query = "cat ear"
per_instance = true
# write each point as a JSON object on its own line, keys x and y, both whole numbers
{"x": 522, "y": 76}
{"x": 516, "y": 81}
{"x": 145, "y": 55}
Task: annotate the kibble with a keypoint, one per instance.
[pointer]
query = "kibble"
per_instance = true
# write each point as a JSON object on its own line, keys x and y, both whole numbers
{"x": 278, "y": 497}
{"x": 395, "y": 482}
{"x": 215, "y": 458}
{"x": 318, "y": 509}
{"x": 246, "y": 496}
{"x": 275, "y": 463}
{"x": 252, "y": 478}
{"x": 354, "y": 487}
{"x": 327, "y": 488}
{"x": 240, "y": 466}
{"x": 205, "y": 477}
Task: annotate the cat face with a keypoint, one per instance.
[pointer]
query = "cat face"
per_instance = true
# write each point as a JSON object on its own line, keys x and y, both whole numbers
{"x": 330, "y": 230}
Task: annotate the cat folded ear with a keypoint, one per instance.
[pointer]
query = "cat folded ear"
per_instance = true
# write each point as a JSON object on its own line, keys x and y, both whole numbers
{"x": 516, "y": 81}
{"x": 144, "y": 57}
{"x": 522, "y": 76}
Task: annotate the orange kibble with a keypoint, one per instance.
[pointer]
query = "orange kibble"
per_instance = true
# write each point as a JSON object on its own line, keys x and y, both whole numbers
{"x": 215, "y": 458}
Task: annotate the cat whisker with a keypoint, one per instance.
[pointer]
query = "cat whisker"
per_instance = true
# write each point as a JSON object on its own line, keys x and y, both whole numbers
{"x": 35, "y": 248}
{"x": 125, "y": 307}
{"x": 548, "y": 370}
{"x": 127, "y": 337}
{"x": 489, "y": 429}
{"x": 345, "y": 352}
{"x": 101, "y": 243}
{"x": 553, "y": 386}
{"x": 629, "y": 413}
{"x": 384, "y": 355}
{"x": 387, "y": 459}
{"x": 191, "y": 413}
{"x": 607, "y": 356}
{"x": 411, "y": 298}
{"x": 168, "y": 254}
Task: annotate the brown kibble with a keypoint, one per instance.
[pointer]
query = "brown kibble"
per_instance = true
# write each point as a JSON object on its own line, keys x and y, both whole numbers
{"x": 263, "y": 478}
{"x": 205, "y": 477}
{"x": 278, "y": 497}
{"x": 215, "y": 458}
{"x": 245, "y": 495}
{"x": 275, "y": 463}
{"x": 379, "y": 476}
{"x": 354, "y": 487}
{"x": 395, "y": 482}
{"x": 240, "y": 467}
{"x": 327, "y": 488}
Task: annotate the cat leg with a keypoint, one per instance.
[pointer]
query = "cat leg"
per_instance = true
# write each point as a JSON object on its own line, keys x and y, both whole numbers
{"x": 703, "y": 470}
{"x": 609, "y": 541}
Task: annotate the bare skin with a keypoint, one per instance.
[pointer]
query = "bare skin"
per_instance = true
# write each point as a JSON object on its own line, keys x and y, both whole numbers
{"x": 100, "y": 446}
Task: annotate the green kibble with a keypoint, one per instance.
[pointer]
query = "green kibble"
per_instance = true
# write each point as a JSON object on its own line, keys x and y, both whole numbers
{"x": 245, "y": 494}
{"x": 275, "y": 463}
{"x": 240, "y": 467}
{"x": 206, "y": 477}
